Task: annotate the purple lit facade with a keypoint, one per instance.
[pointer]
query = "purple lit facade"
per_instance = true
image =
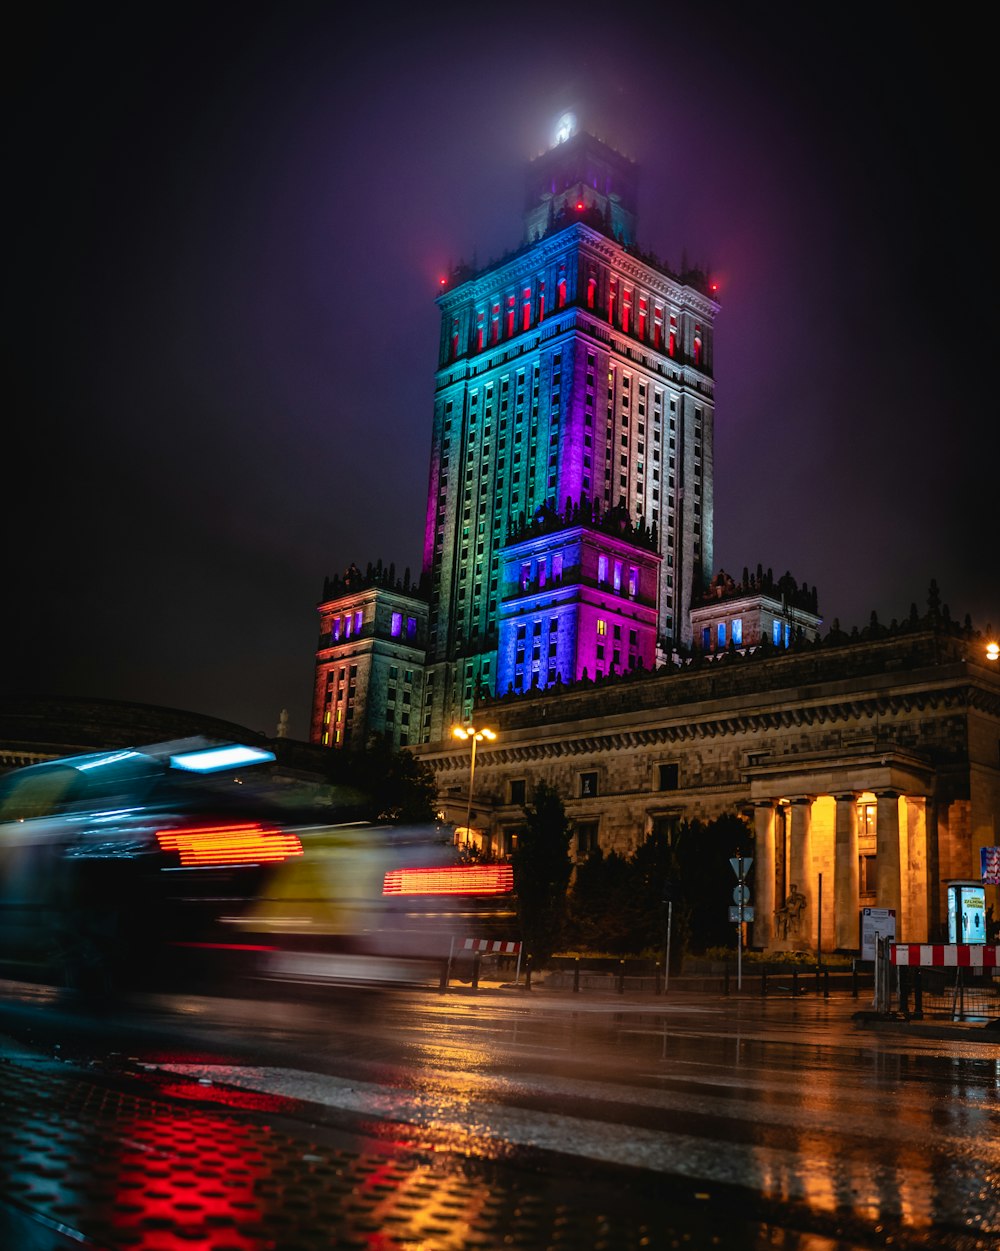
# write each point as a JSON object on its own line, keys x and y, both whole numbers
{"x": 576, "y": 603}
{"x": 576, "y": 373}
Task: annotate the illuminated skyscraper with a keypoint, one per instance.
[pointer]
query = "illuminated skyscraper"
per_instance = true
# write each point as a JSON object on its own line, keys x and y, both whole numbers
{"x": 574, "y": 398}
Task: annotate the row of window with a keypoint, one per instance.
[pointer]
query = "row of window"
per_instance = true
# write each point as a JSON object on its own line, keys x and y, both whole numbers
{"x": 666, "y": 778}
{"x": 627, "y": 308}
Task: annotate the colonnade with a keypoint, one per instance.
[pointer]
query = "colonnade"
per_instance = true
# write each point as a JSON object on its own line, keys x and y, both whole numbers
{"x": 808, "y": 892}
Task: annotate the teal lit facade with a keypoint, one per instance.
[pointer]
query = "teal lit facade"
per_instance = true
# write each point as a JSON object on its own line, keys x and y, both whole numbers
{"x": 577, "y": 373}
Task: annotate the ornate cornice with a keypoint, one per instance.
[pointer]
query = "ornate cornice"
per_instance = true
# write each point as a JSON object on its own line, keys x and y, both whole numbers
{"x": 694, "y": 728}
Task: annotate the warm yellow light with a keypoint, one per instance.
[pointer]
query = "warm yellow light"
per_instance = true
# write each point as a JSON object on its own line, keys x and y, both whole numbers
{"x": 993, "y": 651}
{"x": 471, "y": 731}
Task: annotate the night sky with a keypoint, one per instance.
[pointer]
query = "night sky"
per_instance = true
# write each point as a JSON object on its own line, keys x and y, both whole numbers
{"x": 227, "y": 227}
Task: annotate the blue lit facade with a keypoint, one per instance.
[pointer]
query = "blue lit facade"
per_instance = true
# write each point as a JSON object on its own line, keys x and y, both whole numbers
{"x": 575, "y": 373}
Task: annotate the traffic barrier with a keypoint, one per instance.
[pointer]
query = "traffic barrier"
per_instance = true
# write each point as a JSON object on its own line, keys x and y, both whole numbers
{"x": 946, "y": 955}
{"x": 492, "y": 946}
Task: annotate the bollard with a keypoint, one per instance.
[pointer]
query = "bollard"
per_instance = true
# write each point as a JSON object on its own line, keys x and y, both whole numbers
{"x": 477, "y": 961}
{"x": 826, "y": 983}
{"x": 443, "y": 985}
{"x": 725, "y": 982}
{"x": 763, "y": 981}
{"x": 527, "y": 973}
{"x": 854, "y": 979}
{"x": 576, "y": 976}
{"x": 795, "y": 982}
{"x": 658, "y": 980}
{"x": 817, "y": 979}
{"x": 621, "y": 977}
{"x": 918, "y": 995}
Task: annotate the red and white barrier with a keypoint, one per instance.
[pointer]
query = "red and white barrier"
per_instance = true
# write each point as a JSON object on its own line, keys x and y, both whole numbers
{"x": 946, "y": 955}
{"x": 493, "y": 946}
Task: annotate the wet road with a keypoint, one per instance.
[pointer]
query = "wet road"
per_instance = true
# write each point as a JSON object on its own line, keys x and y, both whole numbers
{"x": 493, "y": 1119}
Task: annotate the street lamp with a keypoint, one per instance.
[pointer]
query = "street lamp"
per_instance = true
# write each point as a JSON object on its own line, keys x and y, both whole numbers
{"x": 476, "y": 734}
{"x": 992, "y": 651}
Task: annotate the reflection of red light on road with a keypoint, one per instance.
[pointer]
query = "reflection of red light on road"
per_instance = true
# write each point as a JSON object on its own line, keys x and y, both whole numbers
{"x": 191, "y": 1181}
{"x": 461, "y": 879}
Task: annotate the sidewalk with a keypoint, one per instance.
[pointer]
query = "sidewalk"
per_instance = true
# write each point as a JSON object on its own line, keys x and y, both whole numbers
{"x": 839, "y": 1002}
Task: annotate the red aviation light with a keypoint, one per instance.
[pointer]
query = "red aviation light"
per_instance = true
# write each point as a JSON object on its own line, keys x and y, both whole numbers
{"x": 458, "y": 879}
{"x": 246, "y": 843}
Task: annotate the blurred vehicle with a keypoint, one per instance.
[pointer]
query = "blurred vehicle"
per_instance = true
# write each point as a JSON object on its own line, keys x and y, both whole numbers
{"x": 196, "y": 861}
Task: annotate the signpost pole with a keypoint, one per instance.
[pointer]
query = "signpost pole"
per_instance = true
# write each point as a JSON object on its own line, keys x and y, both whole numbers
{"x": 666, "y": 959}
{"x": 739, "y": 929}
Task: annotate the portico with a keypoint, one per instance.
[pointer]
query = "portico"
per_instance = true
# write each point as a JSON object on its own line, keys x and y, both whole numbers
{"x": 836, "y": 835}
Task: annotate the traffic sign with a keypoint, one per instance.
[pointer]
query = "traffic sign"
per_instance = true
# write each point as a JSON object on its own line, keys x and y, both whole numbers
{"x": 734, "y": 913}
{"x": 735, "y": 862}
{"x": 741, "y": 894}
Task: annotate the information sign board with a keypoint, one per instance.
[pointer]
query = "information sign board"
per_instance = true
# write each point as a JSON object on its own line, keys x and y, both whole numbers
{"x": 734, "y": 913}
{"x": 876, "y": 923}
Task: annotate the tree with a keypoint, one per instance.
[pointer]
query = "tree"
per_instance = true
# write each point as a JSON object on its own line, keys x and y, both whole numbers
{"x": 385, "y": 785}
{"x": 542, "y": 870}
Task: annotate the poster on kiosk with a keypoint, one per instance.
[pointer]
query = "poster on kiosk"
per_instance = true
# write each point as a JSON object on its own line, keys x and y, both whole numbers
{"x": 966, "y": 912}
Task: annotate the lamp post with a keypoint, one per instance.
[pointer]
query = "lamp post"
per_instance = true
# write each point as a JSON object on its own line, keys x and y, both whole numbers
{"x": 476, "y": 734}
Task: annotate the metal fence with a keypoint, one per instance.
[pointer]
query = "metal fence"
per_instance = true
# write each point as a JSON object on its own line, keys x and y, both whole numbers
{"x": 948, "y": 993}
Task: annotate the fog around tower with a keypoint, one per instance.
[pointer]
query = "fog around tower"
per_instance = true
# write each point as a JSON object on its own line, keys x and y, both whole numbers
{"x": 226, "y": 245}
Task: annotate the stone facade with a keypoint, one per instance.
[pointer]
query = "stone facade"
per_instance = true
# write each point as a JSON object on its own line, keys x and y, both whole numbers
{"x": 369, "y": 662}
{"x": 870, "y": 772}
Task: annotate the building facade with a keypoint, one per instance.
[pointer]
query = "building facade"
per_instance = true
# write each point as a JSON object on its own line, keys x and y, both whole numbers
{"x": 868, "y": 770}
{"x": 575, "y": 374}
{"x": 369, "y": 661}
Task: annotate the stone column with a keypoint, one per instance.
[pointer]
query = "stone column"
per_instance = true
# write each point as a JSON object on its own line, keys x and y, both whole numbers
{"x": 801, "y": 921}
{"x": 914, "y": 884}
{"x": 935, "y": 891}
{"x": 887, "y": 888}
{"x": 845, "y": 873}
{"x": 763, "y": 874}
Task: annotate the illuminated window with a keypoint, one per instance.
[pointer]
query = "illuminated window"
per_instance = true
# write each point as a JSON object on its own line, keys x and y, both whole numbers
{"x": 541, "y": 301}
{"x": 495, "y": 323}
{"x": 697, "y": 345}
{"x": 776, "y": 633}
{"x": 510, "y": 317}
{"x": 561, "y": 288}
{"x": 602, "y": 626}
{"x": 411, "y": 627}
{"x": 657, "y": 327}
{"x": 612, "y": 302}
{"x": 526, "y": 309}
{"x": 358, "y": 619}
{"x": 602, "y": 569}
{"x": 454, "y": 338}
{"x": 626, "y": 310}
{"x": 617, "y": 580}
{"x": 672, "y": 340}
{"x": 721, "y": 634}
{"x": 633, "y": 581}
{"x": 588, "y": 785}
{"x": 643, "y": 314}
{"x": 396, "y": 626}
{"x": 706, "y": 638}
{"x": 591, "y": 291}
{"x": 738, "y": 631}
{"x": 480, "y": 334}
